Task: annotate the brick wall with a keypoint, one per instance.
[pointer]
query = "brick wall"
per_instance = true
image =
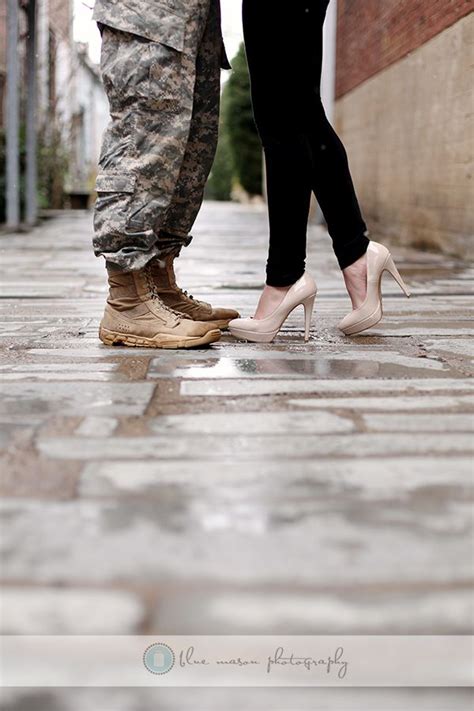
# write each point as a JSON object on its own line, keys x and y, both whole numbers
{"x": 373, "y": 34}
{"x": 408, "y": 133}
{"x": 3, "y": 35}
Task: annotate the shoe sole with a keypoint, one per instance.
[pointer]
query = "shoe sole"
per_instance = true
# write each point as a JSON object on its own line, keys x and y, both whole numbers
{"x": 253, "y": 337}
{"x": 113, "y": 338}
{"x": 364, "y": 324}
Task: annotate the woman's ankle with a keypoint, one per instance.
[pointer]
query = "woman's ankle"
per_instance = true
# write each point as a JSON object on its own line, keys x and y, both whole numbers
{"x": 355, "y": 278}
{"x": 270, "y": 298}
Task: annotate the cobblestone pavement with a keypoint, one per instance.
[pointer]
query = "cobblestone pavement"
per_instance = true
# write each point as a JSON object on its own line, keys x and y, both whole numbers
{"x": 318, "y": 488}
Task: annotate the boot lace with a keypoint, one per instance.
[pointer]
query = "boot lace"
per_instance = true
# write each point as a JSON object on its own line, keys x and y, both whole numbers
{"x": 154, "y": 265}
{"x": 192, "y": 298}
{"x": 155, "y": 295}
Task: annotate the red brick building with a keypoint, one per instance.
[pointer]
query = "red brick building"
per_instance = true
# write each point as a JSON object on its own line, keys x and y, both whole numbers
{"x": 404, "y": 107}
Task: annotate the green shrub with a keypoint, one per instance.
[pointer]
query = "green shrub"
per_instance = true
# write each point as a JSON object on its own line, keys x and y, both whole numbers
{"x": 239, "y": 153}
{"x": 219, "y": 185}
{"x": 53, "y": 162}
{"x": 238, "y": 119}
{"x": 52, "y": 170}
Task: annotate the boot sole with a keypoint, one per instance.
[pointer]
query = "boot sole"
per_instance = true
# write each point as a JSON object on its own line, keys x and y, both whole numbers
{"x": 113, "y": 338}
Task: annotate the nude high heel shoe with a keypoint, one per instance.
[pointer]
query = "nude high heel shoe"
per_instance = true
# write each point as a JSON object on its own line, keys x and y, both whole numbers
{"x": 264, "y": 330}
{"x": 379, "y": 260}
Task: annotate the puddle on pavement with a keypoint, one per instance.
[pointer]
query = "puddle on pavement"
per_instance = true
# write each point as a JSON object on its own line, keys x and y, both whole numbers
{"x": 230, "y": 368}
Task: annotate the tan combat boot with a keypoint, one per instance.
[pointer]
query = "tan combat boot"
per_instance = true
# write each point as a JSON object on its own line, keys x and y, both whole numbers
{"x": 136, "y": 316}
{"x": 165, "y": 282}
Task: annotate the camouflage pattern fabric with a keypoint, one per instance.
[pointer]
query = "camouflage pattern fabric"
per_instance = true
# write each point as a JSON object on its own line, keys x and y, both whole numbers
{"x": 160, "y": 66}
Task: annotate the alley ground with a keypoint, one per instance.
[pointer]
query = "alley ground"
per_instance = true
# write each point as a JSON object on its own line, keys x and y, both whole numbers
{"x": 318, "y": 488}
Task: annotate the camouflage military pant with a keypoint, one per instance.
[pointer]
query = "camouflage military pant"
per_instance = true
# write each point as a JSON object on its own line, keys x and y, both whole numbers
{"x": 160, "y": 66}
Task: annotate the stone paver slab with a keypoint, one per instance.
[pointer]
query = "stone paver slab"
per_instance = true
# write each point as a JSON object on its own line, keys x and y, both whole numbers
{"x": 56, "y": 611}
{"x": 283, "y": 423}
{"x": 377, "y": 478}
{"x": 247, "y": 447}
{"x": 281, "y": 699}
{"x": 280, "y": 540}
{"x": 72, "y": 398}
{"x": 433, "y": 403}
{"x": 315, "y": 612}
{"x": 211, "y": 388}
{"x": 420, "y": 423}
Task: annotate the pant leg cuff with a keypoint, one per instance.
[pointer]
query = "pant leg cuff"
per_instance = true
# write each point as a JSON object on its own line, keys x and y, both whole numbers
{"x": 279, "y": 279}
{"x": 353, "y": 251}
{"x": 173, "y": 241}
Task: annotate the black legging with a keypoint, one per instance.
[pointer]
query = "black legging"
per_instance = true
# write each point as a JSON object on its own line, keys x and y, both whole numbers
{"x": 302, "y": 152}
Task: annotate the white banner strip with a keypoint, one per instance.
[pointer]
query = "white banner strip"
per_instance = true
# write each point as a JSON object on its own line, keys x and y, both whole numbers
{"x": 236, "y": 661}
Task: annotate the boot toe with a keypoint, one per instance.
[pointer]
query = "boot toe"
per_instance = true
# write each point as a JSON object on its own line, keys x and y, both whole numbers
{"x": 220, "y": 314}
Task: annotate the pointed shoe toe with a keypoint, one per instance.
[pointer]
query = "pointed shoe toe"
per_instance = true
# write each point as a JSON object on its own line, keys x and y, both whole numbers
{"x": 360, "y": 320}
{"x": 302, "y": 293}
{"x": 249, "y": 329}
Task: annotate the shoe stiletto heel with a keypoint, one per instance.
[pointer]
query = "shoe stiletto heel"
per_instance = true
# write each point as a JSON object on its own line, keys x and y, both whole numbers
{"x": 370, "y": 313}
{"x": 308, "y": 315}
{"x": 264, "y": 330}
{"x": 392, "y": 269}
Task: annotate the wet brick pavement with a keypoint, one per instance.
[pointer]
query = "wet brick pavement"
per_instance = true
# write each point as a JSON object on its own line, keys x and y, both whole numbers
{"x": 291, "y": 488}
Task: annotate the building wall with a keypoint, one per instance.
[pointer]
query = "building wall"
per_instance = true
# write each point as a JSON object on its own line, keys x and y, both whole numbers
{"x": 71, "y": 98}
{"x": 372, "y": 34}
{"x": 3, "y": 35}
{"x": 90, "y": 116}
{"x": 404, "y": 111}
{"x": 3, "y": 55}
{"x": 54, "y": 36}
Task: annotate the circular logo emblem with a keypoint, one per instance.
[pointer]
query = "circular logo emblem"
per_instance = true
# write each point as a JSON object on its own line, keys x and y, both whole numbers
{"x": 158, "y": 658}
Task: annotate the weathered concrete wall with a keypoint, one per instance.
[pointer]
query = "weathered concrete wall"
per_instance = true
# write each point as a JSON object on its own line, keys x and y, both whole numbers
{"x": 3, "y": 58}
{"x": 408, "y": 131}
{"x": 372, "y": 34}
{"x": 3, "y": 35}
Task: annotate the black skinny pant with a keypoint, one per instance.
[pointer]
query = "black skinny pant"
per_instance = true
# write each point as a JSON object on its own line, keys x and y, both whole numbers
{"x": 303, "y": 154}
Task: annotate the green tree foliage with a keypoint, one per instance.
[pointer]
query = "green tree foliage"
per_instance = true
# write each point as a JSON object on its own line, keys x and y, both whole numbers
{"x": 219, "y": 185}
{"x": 239, "y": 152}
{"x": 52, "y": 170}
{"x": 238, "y": 117}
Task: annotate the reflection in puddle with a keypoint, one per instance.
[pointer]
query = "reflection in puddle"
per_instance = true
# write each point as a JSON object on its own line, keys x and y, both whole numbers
{"x": 336, "y": 367}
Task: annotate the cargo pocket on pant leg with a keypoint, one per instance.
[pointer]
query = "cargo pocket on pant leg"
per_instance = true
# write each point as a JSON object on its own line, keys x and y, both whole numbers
{"x": 119, "y": 236}
{"x": 112, "y": 208}
{"x": 137, "y": 68}
{"x": 113, "y": 197}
